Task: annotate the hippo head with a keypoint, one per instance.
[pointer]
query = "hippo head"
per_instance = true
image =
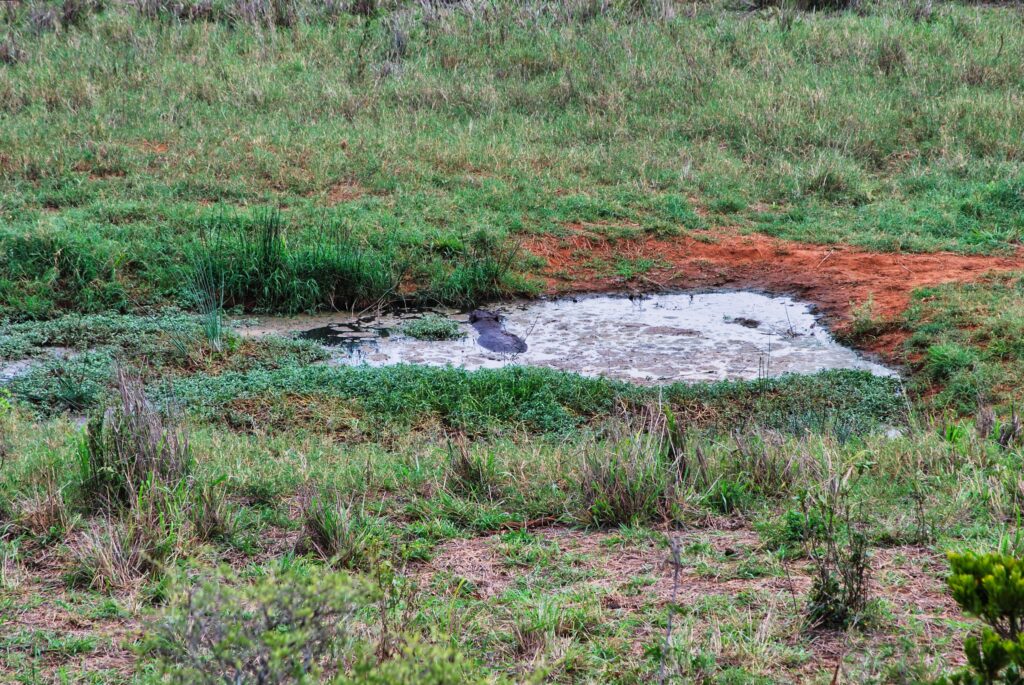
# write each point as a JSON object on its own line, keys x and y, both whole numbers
{"x": 482, "y": 315}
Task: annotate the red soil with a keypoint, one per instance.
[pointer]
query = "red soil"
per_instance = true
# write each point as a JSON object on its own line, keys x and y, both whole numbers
{"x": 834, "y": 277}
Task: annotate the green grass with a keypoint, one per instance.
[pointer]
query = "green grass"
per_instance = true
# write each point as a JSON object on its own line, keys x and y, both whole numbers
{"x": 166, "y": 167}
{"x": 563, "y": 590}
{"x": 432, "y": 327}
{"x": 968, "y": 342}
{"x": 542, "y": 400}
{"x": 878, "y": 129}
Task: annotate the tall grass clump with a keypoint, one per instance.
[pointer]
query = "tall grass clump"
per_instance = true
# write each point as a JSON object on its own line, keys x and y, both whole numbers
{"x": 633, "y": 476}
{"x": 119, "y": 553}
{"x": 339, "y": 532}
{"x": 471, "y": 474}
{"x": 206, "y": 290}
{"x": 485, "y": 268}
{"x": 131, "y": 447}
{"x": 772, "y": 466}
{"x": 252, "y": 260}
{"x": 134, "y": 465}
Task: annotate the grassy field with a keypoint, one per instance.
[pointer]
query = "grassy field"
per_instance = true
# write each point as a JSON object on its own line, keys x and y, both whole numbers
{"x": 127, "y": 142}
{"x": 180, "y": 503}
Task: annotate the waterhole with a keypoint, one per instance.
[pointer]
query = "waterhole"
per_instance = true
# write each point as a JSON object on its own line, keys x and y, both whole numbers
{"x": 653, "y": 339}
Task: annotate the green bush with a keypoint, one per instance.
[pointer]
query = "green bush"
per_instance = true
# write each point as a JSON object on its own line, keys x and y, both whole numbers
{"x": 791, "y": 530}
{"x": 483, "y": 269}
{"x": 991, "y": 587}
{"x": 283, "y": 628}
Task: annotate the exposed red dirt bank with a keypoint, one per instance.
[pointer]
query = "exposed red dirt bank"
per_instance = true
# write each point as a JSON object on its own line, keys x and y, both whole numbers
{"x": 834, "y": 277}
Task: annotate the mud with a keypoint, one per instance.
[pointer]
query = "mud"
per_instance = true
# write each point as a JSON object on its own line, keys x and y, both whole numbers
{"x": 835, "y": 278}
{"x": 12, "y": 369}
{"x": 667, "y": 337}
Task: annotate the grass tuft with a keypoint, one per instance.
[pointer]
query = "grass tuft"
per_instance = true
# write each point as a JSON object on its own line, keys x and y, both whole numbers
{"x": 433, "y": 327}
{"x": 130, "y": 447}
{"x": 339, "y": 532}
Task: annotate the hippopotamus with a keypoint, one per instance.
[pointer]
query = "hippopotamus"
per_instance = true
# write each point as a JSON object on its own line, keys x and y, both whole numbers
{"x": 492, "y": 335}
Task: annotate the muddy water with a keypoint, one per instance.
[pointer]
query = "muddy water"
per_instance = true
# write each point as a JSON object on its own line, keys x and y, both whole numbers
{"x": 657, "y": 338}
{"x": 9, "y": 370}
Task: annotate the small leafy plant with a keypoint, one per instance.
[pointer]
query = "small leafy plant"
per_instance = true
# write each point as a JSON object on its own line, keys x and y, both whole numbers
{"x": 865, "y": 319}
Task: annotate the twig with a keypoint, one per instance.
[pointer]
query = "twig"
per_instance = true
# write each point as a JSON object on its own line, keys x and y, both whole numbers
{"x": 676, "y": 565}
{"x": 830, "y": 253}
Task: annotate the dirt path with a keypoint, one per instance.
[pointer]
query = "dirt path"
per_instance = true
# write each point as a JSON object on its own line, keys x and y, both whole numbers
{"x": 836, "y": 278}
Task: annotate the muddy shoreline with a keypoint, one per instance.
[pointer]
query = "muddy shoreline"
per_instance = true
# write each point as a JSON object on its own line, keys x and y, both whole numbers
{"x": 678, "y": 336}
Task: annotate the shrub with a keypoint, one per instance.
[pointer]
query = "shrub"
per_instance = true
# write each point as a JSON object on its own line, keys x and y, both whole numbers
{"x": 433, "y": 327}
{"x": 727, "y": 496}
{"x": 838, "y": 549}
{"x": 131, "y": 446}
{"x": 287, "y": 627}
{"x": 206, "y": 290}
{"x": 991, "y": 587}
{"x": 769, "y": 466}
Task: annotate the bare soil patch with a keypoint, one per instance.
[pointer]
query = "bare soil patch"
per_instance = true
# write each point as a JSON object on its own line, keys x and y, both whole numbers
{"x": 344, "y": 191}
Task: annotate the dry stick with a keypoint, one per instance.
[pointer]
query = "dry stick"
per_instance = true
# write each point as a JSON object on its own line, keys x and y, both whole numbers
{"x": 676, "y": 565}
{"x": 789, "y": 581}
{"x": 830, "y": 252}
